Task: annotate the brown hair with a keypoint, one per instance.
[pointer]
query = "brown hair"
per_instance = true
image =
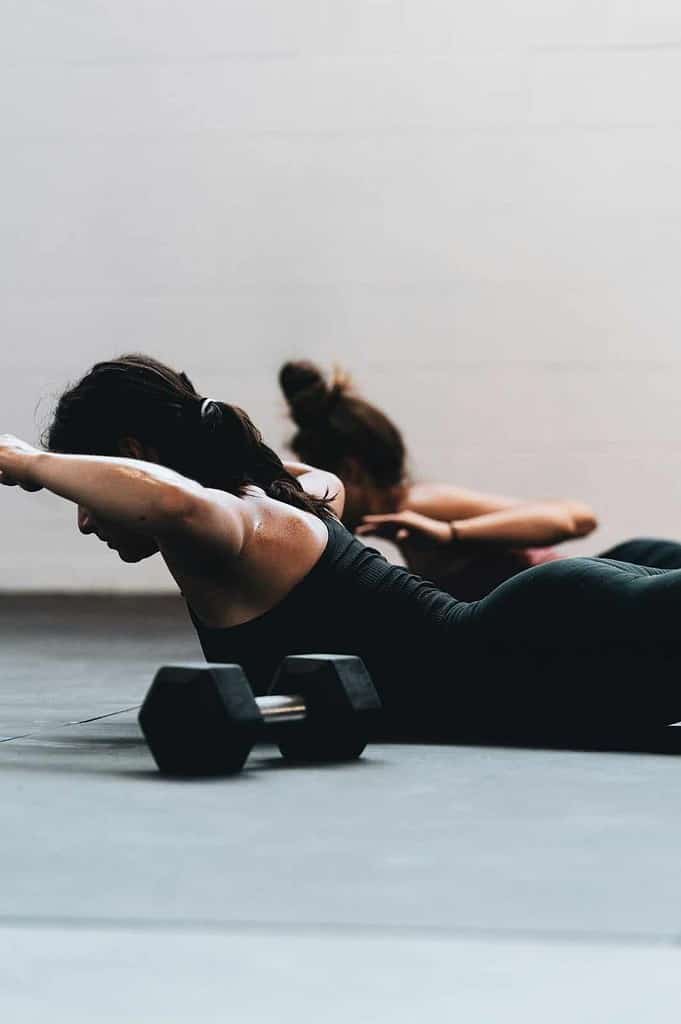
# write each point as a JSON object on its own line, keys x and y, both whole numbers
{"x": 334, "y": 424}
{"x": 212, "y": 442}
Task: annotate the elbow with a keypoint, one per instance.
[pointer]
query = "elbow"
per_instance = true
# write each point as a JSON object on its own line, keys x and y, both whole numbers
{"x": 580, "y": 519}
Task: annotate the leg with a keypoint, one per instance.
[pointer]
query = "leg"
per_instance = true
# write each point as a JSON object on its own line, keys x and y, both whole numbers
{"x": 653, "y": 551}
{"x": 582, "y": 644}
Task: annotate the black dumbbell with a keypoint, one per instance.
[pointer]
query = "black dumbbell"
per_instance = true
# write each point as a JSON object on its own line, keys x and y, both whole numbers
{"x": 202, "y": 719}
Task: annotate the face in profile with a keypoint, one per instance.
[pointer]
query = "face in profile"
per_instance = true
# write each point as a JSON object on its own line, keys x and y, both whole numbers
{"x": 128, "y": 544}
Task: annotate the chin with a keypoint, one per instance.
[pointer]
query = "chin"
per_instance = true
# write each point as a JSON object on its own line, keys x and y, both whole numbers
{"x": 131, "y": 557}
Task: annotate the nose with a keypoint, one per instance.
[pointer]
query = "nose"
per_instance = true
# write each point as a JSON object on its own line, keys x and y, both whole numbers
{"x": 85, "y": 521}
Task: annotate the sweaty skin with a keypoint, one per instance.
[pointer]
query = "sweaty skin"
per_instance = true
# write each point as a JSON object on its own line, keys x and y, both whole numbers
{"x": 233, "y": 557}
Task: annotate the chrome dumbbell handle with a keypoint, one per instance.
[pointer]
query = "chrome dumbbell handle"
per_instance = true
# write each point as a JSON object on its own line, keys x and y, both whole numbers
{"x": 281, "y": 708}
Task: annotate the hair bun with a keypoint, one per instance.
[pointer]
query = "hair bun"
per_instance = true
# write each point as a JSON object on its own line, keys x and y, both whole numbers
{"x": 308, "y": 395}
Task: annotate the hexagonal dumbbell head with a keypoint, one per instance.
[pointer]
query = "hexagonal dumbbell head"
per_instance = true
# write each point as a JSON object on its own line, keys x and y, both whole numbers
{"x": 200, "y": 719}
{"x": 341, "y": 703}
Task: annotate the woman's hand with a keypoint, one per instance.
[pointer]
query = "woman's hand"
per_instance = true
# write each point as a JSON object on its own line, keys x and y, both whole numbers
{"x": 403, "y": 526}
{"x": 18, "y": 462}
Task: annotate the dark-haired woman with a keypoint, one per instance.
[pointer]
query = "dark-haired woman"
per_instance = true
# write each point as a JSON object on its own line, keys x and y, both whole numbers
{"x": 268, "y": 570}
{"x": 465, "y": 541}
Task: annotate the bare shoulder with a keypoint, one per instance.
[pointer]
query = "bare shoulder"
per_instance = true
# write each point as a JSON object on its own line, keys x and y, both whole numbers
{"x": 212, "y": 521}
{"x": 281, "y": 544}
{"x": 271, "y": 521}
{"x": 239, "y": 556}
{"x": 237, "y": 528}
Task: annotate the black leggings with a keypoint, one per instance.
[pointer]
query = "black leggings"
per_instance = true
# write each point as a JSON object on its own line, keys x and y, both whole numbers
{"x": 659, "y": 554}
{"x": 580, "y": 644}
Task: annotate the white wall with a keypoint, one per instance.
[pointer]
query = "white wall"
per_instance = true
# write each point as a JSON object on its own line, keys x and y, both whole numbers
{"x": 475, "y": 207}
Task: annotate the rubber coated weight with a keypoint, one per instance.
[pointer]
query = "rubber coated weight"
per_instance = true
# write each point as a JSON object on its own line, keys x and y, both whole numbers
{"x": 200, "y": 719}
{"x": 340, "y": 704}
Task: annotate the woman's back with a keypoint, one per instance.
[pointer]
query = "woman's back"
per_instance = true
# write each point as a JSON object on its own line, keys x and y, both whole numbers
{"x": 558, "y": 646}
{"x": 351, "y": 602}
{"x": 277, "y": 546}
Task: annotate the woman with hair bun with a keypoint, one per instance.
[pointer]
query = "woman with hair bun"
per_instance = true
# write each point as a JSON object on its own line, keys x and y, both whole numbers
{"x": 337, "y": 427}
{"x": 257, "y": 548}
{"x": 466, "y": 542}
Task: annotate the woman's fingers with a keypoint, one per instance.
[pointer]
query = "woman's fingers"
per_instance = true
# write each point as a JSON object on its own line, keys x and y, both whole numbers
{"x": 390, "y": 519}
{"x": 390, "y": 530}
{"x": 384, "y": 526}
{"x": 370, "y": 529}
{"x": 402, "y": 526}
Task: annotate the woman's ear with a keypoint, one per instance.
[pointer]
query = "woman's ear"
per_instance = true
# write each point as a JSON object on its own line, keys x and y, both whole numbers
{"x": 131, "y": 448}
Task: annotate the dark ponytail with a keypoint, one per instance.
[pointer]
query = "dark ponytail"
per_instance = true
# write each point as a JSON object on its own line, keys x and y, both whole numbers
{"x": 208, "y": 441}
{"x": 334, "y": 424}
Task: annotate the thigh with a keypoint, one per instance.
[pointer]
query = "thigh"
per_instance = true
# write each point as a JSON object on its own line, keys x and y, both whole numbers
{"x": 585, "y": 644}
{"x": 652, "y": 551}
{"x": 582, "y": 604}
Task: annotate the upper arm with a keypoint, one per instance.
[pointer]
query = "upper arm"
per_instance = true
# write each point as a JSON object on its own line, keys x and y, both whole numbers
{"x": 205, "y": 521}
{"x": 447, "y": 502}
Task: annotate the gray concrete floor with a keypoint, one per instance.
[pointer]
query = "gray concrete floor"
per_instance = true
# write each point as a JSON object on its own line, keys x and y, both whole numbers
{"x": 489, "y": 884}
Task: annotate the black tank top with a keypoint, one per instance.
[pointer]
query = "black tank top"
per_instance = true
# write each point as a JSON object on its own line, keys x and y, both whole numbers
{"x": 353, "y": 601}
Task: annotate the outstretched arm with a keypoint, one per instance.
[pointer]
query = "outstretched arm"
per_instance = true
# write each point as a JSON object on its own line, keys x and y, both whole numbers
{"x": 141, "y": 496}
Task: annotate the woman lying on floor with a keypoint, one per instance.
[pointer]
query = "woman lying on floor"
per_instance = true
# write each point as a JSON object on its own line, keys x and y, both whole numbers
{"x": 465, "y": 541}
{"x": 267, "y": 570}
